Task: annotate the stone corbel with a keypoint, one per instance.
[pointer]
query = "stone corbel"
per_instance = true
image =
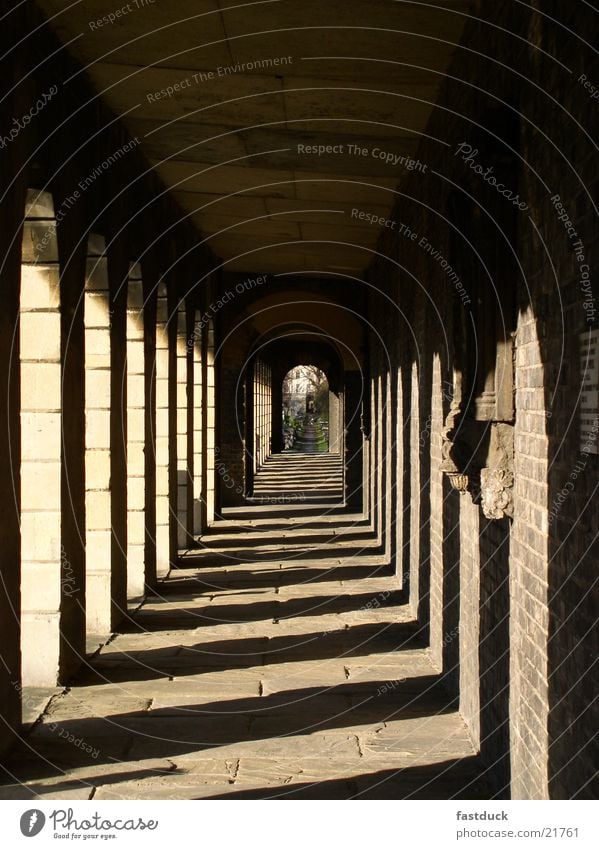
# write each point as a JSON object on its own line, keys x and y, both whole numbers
{"x": 497, "y": 487}
{"x": 458, "y": 480}
{"x": 478, "y": 458}
{"x": 457, "y": 456}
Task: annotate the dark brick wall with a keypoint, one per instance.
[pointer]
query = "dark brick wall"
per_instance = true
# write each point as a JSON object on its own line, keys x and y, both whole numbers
{"x": 513, "y": 603}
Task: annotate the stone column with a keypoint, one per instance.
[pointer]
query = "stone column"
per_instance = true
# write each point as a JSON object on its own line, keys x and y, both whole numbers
{"x": 41, "y": 448}
{"x": 182, "y": 466}
{"x": 415, "y": 493}
{"x": 162, "y": 434}
{"x": 136, "y": 414}
{"x": 98, "y": 388}
{"x": 198, "y": 425}
{"x": 334, "y": 446}
{"x": 353, "y": 440}
{"x": 276, "y": 417}
{"x": 149, "y": 320}
{"x": 72, "y": 248}
{"x": 11, "y": 219}
{"x": 189, "y": 348}
{"x": 210, "y": 423}
{"x": 118, "y": 272}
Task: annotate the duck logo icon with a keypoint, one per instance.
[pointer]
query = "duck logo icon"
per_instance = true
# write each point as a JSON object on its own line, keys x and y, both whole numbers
{"x": 32, "y": 822}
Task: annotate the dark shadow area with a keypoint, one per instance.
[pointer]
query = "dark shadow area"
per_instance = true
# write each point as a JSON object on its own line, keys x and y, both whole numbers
{"x": 175, "y": 730}
{"x": 451, "y": 591}
{"x": 383, "y": 639}
{"x": 405, "y": 482}
{"x": 425, "y": 392}
{"x": 285, "y": 511}
{"x": 212, "y": 614}
{"x": 285, "y": 577}
{"x": 459, "y": 776}
{"x": 573, "y": 668}
{"x": 494, "y": 653}
{"x": 291, "y": 524}
{"x": 252, "y": 555}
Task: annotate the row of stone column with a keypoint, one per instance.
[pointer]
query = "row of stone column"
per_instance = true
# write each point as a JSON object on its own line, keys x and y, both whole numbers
{"x": 262, "y": 413}
{"x": 117, "y": 441}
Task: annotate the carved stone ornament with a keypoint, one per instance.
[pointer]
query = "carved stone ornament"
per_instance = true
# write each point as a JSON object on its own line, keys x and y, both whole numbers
{"x": 452, "y": 463}
{"x": 497, "y": 493}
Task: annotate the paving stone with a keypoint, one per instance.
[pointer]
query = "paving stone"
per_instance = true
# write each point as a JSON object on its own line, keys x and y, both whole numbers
{"x": 21, "y": 791}
{"x": 256, "y": 680}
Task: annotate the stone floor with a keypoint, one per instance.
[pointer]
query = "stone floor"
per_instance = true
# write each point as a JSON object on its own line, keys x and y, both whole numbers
{"x": 279, "y": 661}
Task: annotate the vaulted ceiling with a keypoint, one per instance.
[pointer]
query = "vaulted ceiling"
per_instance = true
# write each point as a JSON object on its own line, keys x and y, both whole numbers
{"x": 255, "y": 88}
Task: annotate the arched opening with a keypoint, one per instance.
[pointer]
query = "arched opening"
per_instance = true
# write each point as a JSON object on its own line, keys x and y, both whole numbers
{"x": 305, "y": 421}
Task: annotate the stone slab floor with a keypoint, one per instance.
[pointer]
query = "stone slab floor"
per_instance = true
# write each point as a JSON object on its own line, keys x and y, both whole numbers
{"x": 280, "y": 661}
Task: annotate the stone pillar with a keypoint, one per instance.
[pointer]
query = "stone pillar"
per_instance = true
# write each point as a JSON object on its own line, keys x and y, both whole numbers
{"x": 198, "y": 425}
{"x": 118, "y": 272}
{"x": 149, "y": 321}
{"x": 334, "y": 428}
{"x": 277, "y": 417}
{"x": 400, "y": 475}
{"x": 98, "y": 388}
{"x": 41, "y": 449}
{"x": 182, "y": 466}
{"x": 353, "y": 440}
{"x": 387, "y": 463}
{"x": 392, "y": 461}
{"x": 162, "y": 434}
{"x": 256, "y": 417}
{"x": 72, "y": 250}
{"x": 210, "y": 423}
{"x": 11, "y": 219}
{"x": 415, "y": 494}
{"x": 189, "y": 348}
{"x": 136, "y": 433}
{"x": 268, "y": 411}
{"x": 173, "y": 482}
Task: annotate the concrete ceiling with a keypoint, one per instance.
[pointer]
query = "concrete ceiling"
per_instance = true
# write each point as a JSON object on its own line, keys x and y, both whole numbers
{"x": 349, "y": 72}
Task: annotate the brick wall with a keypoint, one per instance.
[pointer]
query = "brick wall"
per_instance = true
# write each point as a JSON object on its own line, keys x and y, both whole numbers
{"x": 512, "y": 625}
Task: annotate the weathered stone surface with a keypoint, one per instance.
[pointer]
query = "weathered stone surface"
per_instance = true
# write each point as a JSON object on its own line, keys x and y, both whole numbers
{"x": 311, "y": 689}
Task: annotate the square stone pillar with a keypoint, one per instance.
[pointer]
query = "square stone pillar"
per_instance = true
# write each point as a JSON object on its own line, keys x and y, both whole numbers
{"x": 118, "y": 272}
{"x": 149, "y": 320}
{"x": 72, "y": 248}
{"x": 182, "y": 465}
{"x": 136, "y": 435}
{"x": 162, "y": 434}
{"x": 11, "y": 221}
{"x": 198, "y": 424}
{"x": 353, "y": 440}
{"x": 98, "y": 394}
{"x": 41, "y": 423}
{"x": 210, "y": 431}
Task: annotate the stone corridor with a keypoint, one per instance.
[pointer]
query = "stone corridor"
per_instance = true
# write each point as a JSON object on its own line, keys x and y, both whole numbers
{"x": 280, "y": 660}
{"x": 235, "y": 235}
